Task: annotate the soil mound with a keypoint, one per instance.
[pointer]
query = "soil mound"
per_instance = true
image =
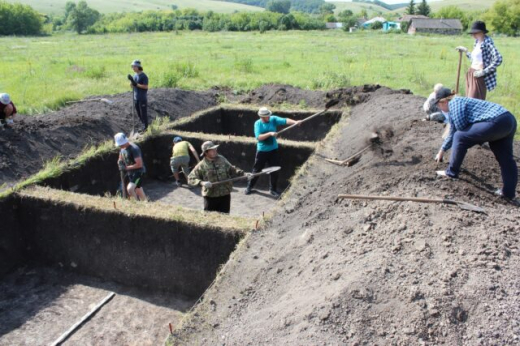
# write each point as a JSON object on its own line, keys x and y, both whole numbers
{"x": 338, "y": 272}
{"x": 36, "y": 139}
{"x": 276, "y": 94}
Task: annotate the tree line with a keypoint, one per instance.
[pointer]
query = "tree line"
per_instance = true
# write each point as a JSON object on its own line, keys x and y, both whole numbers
{"x": 16, "y": 19}
{"x": 307, "y": 6}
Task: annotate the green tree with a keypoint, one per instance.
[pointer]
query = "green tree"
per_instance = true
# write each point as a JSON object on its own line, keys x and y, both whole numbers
{"x": 327, "y": 9}
{"x": 424, "y": 9}
{"x": 504, "y": 17}
{"x": 453, "y": 12}
{"x": 279, "y": 6}
{"x": 345, "y": 14}
{"x": 411, "y": 7}
{"x": 81, "y": 17}
{"x": 376, "y": 26}
{"x": 364, "y": 13}
{"x": 17, "y": 19}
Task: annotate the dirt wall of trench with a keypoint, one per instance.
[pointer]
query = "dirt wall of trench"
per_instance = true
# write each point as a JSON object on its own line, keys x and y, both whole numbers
{"x": 151, "y": 253}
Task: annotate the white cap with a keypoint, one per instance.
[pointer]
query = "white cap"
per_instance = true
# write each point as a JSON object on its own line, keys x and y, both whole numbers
{"x": 264, "y": 112}
{"x": 5, "y": 98}
{"x": 120, "y": 139}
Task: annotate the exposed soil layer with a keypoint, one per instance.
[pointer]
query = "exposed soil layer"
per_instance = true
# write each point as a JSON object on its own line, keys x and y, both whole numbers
{"x": 240, "y": 122}
{"x": 100, "y": 175}
{"x": 339, "y": 272}
{"x": 38, "y": 304}
{"x": 36, "y": 139}
{"x": 254, "y": 205}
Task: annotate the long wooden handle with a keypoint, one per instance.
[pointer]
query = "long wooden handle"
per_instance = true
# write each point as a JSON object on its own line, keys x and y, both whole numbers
{"x": 304, "y": 120}
{"x": 402, "y": 199}
{"x": 458, "y": 72}
{"x": 123, "y": 187}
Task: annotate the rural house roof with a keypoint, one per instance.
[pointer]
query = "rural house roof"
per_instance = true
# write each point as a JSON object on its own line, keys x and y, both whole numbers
{"x": 436, "y": 23}
{"x": 409, "y": 17}
{"x": 333, "y": 25}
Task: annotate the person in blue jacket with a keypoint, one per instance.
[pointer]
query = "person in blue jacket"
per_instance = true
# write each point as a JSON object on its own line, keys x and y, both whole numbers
{"x": 267, "y": 147}
{"x": 473, "y": 121}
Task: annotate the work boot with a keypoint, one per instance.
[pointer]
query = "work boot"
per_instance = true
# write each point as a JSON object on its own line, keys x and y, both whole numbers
{"x": 178, "y": 182}
{"x": 247, "y": 191}
{"x": 274, "y": 193}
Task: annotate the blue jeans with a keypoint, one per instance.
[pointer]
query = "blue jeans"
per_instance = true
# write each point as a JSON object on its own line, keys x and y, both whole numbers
{"x": 500, "y": 133}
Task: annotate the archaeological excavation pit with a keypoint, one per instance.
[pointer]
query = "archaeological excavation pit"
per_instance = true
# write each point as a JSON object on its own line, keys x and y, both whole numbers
{"x": 100, "y": 177}
{"x": 70, "y": 240}
{"x": 234, "y": 121}
{"x": 61, "y": 253}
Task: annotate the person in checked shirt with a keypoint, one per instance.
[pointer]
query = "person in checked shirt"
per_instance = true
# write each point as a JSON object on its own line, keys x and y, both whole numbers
{"x": 473, "y": 122}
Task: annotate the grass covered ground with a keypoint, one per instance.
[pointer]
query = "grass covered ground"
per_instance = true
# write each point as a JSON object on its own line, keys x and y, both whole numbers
{"x": 42, "y": 73}
{"x": 103, "y": 6}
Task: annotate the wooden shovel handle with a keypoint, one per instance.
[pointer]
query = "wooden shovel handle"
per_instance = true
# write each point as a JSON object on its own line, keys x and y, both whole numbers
{"x": 402, "y": 199}
{"x": 304, "y": 120}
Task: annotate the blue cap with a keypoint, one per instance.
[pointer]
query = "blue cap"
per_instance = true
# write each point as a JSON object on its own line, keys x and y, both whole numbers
{"x": 177, "y": 139}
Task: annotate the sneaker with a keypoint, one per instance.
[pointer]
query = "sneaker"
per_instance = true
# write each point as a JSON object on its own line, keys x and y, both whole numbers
{"x": 274, "y": 193}
{"x": 247, "y": 191}
{"x": 444, "y": 175}
{"x": 178, "y": 182}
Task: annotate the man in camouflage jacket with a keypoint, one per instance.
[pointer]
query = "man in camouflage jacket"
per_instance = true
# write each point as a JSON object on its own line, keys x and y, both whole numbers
{"x": 214, "y": 168}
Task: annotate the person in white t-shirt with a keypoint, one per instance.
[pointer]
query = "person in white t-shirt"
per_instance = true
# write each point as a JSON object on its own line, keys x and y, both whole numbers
{"x": 485, "y": 58}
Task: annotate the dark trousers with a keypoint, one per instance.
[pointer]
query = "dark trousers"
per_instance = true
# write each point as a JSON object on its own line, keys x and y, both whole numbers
{"x": 499, "y": 132}
{"x": 221, "y": 204}
{"x": 261, "y": 159}
{"x": 142, "y": 111}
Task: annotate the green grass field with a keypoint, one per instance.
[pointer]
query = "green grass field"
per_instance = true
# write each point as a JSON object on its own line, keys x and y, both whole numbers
{"x": 356, "y": 7}
{"x": 108, "y": 6}
{"x": 42, "y": 72}
{"x": 466, "y": 5}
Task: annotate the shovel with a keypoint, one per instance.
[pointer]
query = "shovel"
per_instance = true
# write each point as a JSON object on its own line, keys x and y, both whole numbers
{"x": 458, "y": 73}
{"x": 353, "y": 159}
{"x": 461, "y": 205}
{"x": 329, "y": 104}
{"x": 264, "y": 171}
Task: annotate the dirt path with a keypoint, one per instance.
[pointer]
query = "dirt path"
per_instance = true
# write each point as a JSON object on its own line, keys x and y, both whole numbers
{"x": 364, "y": 273}
{"x": 253, "y": 205}
{"x": 37, "y": 305}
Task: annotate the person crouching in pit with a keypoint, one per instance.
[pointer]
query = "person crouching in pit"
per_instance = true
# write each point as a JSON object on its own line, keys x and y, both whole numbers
{"x": 131, "y": 161}
{"x": 211, "y": 170}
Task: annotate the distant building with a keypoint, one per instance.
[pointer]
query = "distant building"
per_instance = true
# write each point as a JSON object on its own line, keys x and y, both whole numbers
{"x": 368, "y": 23}
{"x": 334, "y": 25}
{"x": 408, "y": 17}
{"x": 435, "y": 26}
{"x": 391, "y": 26}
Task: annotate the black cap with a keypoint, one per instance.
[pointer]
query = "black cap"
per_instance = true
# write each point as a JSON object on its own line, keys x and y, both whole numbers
{"x": 478, "y": 26}
{"x": 442, "y": 93}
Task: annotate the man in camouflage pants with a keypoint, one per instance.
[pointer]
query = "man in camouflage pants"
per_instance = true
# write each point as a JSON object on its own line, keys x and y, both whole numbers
{"x": 214, "y": 168}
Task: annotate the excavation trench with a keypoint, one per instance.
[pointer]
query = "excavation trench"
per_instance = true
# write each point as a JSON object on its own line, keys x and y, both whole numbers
{"x": 240, "y": 122}
{"x": 69, "y": 241}
{"x": 60, "y": 251}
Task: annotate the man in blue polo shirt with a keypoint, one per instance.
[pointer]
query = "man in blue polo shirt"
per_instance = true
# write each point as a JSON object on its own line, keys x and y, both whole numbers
{"x": 267, "y": 147}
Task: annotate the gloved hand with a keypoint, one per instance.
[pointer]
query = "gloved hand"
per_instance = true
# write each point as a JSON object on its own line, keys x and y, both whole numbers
{"x": 131, "y": 79}
{"x": 274, "y": 134}
{"x": 478, "y": 74}
{"x": 122, "y": 166}
{"x": 249, "y": 176}
{"x": 462, "y": 49}
{"x": 439, "y": 156}
{"x": 206, "y": 184}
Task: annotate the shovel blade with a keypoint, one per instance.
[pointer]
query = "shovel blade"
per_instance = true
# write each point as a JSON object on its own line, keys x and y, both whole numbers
{"x": 471, "y": 207}
{"x": 270, "y": 170}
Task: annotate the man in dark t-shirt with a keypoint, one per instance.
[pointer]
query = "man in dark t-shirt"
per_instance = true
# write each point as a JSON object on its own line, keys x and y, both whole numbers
{"x": 139, "y": 84}
{"x": 7, "y": 111}
{"x": 131, "y": 161}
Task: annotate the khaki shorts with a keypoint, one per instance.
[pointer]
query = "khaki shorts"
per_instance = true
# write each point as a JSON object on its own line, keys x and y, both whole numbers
{"x": 180, "y": 162}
